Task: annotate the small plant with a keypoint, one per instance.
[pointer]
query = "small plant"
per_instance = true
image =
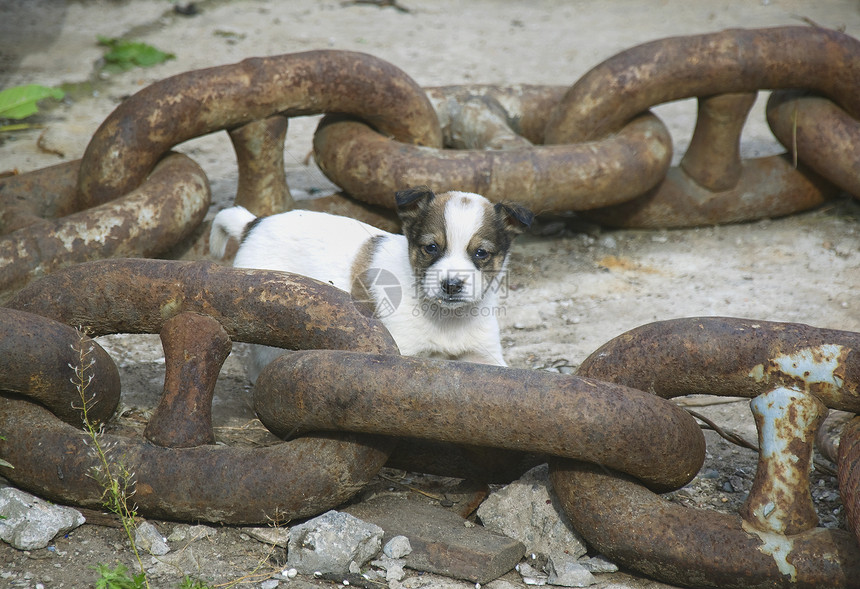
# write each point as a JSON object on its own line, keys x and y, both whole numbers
{"x": 125, "y": 55}
{"x": 21, "y": 102}
{"x": 118, "y": 578}
{"x": 114, "y": 476}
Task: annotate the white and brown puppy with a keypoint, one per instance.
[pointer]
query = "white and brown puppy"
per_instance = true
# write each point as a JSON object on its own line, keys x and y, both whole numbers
{"x": 436, "y": 287}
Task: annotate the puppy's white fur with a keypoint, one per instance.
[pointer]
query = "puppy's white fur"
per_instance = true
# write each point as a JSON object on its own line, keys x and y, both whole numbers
{"x": 432, "y": 317}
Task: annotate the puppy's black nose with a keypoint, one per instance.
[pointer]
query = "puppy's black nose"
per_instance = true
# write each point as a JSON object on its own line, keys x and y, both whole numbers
{"x": 452, "y": 286}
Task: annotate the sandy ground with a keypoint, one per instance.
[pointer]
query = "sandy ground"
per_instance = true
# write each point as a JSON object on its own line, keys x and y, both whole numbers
{"x": 575, "y": 285}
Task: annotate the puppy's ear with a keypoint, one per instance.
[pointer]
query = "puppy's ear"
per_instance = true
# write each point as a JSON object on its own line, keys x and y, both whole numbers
{"x": 412, "y": 201}
{"x": 413, "y": 196}
{"x": 515, "y": 218}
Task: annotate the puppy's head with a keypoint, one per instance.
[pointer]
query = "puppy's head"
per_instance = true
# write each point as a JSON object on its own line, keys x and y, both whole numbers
{"x": 458, "y": 242}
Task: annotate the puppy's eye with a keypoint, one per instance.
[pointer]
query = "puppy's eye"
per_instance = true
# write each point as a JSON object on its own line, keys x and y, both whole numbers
{"x": 431, "y": 248}
{"x": 481, "y": 254}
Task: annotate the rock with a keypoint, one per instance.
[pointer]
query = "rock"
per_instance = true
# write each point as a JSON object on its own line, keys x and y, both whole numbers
{"x": 598, "y": 564}
{"x": 531, "y": 575}
{"x": 397, "y": 547}
{"x": 527, "y": 511}
{"x": 330, "y": 542}
{"x": 269, "y": 584}
{"x": 272, "y": 536}
{"x": 183, "y": 532}
{"x": 393, "y": 568}
{"x": 569, "y": 573}
{"x": 441, "y": 543}
{"x": 147, "y": 536}
{"x": 186, "y": 560}
{"x": 30, "y": 523}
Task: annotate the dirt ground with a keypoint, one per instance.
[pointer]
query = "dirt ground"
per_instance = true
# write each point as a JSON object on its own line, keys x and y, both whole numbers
{"x": 574, "y": 285}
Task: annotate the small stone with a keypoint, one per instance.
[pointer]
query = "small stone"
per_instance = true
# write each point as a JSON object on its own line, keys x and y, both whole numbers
{"x": 272, "y": 536}
{"x": 397, "y": 547}
{"x": 527, "y": 511}
{"x": 330, "y": 542}
{"x": 393, "y": 568}
{"x": 182, "y": 532}
{"x": 599, "y": 564}
{"x": 150, "y": 539}
{"x": 531, "y": 575}
{"x": 291, "y": 573}
{"x": 568, "y": 573}
{"x": 269, "y": 584}
{"x": 29, "y": 523}
{"x": 440, "y": 541}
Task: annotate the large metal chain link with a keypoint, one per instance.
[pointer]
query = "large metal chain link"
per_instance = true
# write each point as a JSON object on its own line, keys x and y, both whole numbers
{"x": 594, "y": 148}
{"x": 198, "y": 308}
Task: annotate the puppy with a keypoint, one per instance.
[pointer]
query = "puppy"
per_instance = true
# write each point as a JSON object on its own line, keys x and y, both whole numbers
{"x": 435, "y": 288}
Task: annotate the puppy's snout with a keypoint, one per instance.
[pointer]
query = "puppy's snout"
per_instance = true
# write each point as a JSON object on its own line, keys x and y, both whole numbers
{"x": 452, "y": 286}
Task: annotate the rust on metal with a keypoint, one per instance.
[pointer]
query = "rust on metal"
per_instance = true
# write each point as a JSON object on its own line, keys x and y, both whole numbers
{"x": 527, "y": 107}
{"x": 713, "y": 159}
{"x": 259, "y": 147}
{"x": 735, "y": 61}
{"x": 732, "y": 61}
{"x": 212, "y": 483}
{"x": 768, "y": 187}
{"x": 732, "y": 357}
{"x": 195, "y": 347}
{"x": 780, "y": 500}
{"x": 425, "y": 398}
{"x": 26, "y": 199}
{"x": 827, "y": 436}
{"x": 371, "y": 167}
{"x": 849, "y": 474}
{"x": 475, "y": 121}
{"x": 38, "y": 357}
{"x": 293, "y": 479}
{"x": 126, "y": 146}
{"x": 146, "y": 222}
{"x": 253, "y": 306}
{"x": 642, "y": 531}
{"x": 821, "y": 134}
{"x": 774, "y": 544}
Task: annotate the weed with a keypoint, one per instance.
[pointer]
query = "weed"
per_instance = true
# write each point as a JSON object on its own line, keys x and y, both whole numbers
{"x": 189, "y": 583}
{"x": 118, "y": 578}
{"x": 114, "y": 476}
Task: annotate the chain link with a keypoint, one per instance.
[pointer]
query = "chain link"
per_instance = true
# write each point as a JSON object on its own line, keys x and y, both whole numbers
{"x": 594, "y": 148}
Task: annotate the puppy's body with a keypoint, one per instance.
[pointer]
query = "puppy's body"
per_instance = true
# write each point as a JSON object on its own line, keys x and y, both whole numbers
{"x": 436, "y": 288}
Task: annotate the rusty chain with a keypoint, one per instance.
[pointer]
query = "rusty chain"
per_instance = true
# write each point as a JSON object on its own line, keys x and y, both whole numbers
{"x": 593, "y": 148}
{"x": 793, "y": 372}
{"x": 198, "y": 308}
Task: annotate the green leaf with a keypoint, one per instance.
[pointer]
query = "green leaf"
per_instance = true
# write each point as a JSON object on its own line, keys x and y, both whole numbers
{"x": 124, "y": 55}
{"x": 21, "y": 101}
{"x": 117, "y": 578}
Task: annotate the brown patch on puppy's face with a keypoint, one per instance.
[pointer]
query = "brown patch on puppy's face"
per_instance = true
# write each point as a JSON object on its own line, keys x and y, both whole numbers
{"x": 458, "y": 242}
